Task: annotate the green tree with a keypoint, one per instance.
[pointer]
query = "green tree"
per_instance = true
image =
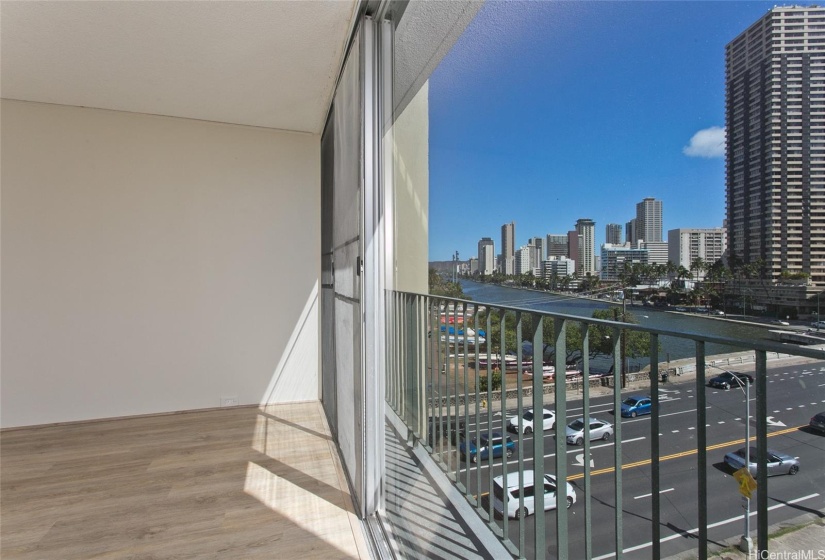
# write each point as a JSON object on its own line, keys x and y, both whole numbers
{"x": 439, "y": 286}
{"x": 637, "y": 344}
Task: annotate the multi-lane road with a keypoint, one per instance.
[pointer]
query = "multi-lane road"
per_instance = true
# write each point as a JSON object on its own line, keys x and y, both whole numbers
{"x": 795, "y": 393}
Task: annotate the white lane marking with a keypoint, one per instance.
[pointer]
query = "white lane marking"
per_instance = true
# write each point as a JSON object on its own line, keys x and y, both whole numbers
{"x": 580, "y": 461}
{"x": 721, "y": 422}
{"x": 707, "y": 425}
{"x": 775, "y": 411}
{"x": 691, "y": 428}
{"x": 592, "y": 406}
{"x": 789, "y": 408}
{"x": 660, "y": 416}
{"x": 575, "y": 450}
{"x": 674, "y": 431}
{"x": 771, "y": 381}
{"x": 649, "y": 495}
{"x": 801, "y": 406}
{"x": 737, "y": 419}
{"x": 711, "y": 526}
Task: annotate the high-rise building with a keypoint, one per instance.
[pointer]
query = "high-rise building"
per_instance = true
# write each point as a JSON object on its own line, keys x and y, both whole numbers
{"x": 648, "y": 221}
{"x": 538, "y": 243}
{"x": 473, "y": 265}
{"x": 616, "y": 257}
{"x": 613, "y": 234}
{"x": 586, "y": 228}
{"x": 687, "y": 245}
{"x": 574, "y": 241}
{"x": 486, "y": 256}
{"x": 523, "y": 260}
{"x": 775, "y": 125}
{"x": 657, "y": 252}
{"x": 557, "y": 245}
{"x": 508, "y": 247}
{"x": 558, "y": 267}
{"x": 630, "y": 231}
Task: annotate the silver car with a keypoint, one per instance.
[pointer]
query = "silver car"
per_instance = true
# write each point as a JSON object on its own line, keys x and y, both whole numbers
{"x": 599, "y": 429}
{"x": 778, "y": 463}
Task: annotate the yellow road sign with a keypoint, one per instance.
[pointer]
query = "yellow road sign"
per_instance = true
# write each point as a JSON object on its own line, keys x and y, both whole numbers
{"x": 747, "y": 484}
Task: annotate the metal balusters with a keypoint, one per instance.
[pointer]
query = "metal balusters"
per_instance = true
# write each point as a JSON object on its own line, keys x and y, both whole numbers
{"x": 761, "y": 452}
{"x": 538, "y": 437}
{"x": 702, "y": 450}
{"x": 588, "y": 513}
{"x": 617, "y": 433}
{"x": 520, "y": 415}
{"x": 560, "y": 328}
{"x": 654, "y": 445}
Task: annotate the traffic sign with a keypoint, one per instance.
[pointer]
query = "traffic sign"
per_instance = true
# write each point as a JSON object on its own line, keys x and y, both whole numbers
{"x": 747, "y": 484}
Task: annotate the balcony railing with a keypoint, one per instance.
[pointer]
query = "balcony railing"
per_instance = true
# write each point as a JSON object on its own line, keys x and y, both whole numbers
{"x": 443, "y": 356}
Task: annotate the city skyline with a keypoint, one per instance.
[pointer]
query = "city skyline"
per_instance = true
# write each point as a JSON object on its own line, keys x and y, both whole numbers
{"x": 637, "y": 115}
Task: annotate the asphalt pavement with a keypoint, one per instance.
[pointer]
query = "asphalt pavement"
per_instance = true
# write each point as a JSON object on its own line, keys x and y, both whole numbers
{"x": 796, "y": 392}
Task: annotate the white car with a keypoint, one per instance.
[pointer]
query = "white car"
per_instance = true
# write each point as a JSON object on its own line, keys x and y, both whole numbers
{"x": 549, "y": 420}
{"x": 599, "y": 429}
{"x": 517, "y": 510}
{"x": 818, "y": 324}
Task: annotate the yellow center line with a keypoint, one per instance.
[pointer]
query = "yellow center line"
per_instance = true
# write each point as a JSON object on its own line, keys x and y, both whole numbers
{"x": 677, "y": 455}
{"x": 682, "y": 454}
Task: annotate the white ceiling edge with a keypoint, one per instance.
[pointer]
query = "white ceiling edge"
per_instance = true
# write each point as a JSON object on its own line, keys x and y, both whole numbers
{"x": 269, "y": 64}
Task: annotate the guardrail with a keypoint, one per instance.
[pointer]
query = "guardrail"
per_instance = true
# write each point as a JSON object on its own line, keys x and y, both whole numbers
{"x": 438, "y": 391}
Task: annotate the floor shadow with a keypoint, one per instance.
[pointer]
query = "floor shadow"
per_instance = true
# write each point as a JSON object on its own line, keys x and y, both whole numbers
{"x": 422, "y": 522}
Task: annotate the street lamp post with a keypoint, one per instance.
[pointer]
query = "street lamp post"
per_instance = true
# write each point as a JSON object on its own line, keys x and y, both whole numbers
{"x": 745, "y": 543}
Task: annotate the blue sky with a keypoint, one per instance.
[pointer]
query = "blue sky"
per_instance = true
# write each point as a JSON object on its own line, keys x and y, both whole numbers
{"x": 547, "y": 112}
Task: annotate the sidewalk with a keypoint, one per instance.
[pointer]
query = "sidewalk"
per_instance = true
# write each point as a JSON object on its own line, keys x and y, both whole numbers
{"x": 799, "y": 538}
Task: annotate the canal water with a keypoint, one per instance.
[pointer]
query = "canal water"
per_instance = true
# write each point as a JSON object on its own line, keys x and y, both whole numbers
{"x": 671, "y": 348}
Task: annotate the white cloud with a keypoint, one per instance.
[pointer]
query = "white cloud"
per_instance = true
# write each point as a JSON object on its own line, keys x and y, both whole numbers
{"x": 707, "y": 143}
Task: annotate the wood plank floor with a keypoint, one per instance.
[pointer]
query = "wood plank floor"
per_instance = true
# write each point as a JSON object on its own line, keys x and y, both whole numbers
{"x": 230, "y": 483}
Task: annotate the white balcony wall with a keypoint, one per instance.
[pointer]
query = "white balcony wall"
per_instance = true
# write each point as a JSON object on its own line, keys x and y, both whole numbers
{"x": 154, "y": 264}
{"x": 411, "y": 157}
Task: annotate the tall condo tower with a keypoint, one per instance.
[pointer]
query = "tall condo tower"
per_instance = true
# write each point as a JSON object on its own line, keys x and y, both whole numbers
{"x": 508, "y": 247}
{"x": 486, "y": 256}
{"x": 775, "y": 124}
{"x": 557, "y": 245}
{"x": 613, "y": 234}
{"x": 586, "y": 228}
{"x": 649, "y": 220}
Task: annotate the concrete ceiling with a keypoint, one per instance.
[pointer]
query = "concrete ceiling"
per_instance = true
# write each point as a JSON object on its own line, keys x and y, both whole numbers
{"x": 267, "y": 63}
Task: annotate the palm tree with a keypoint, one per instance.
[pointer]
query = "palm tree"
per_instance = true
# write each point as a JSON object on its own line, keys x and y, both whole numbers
{"x": 699, "y": 266}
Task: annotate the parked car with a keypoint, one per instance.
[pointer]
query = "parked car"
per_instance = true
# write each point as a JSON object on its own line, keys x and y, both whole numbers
{"x": 636, "y": 405}
{"x": 818, "y": 324}
{"x": 818, "y": 422}
{"x": 548, "y": 421}
{"x": 528, "y": 491}
{"x": 495, "y": 442}
{"x": 728, "y": 380}
{"x": 780, "y": 322}
{"x": 778, "y": 463}
{"x": 599, "y": 429}
{"x": 718, "y": 312}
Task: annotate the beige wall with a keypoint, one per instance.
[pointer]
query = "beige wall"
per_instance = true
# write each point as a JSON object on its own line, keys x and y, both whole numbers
{"x": 411, "y": 181}
{"x": 154, "y": 264}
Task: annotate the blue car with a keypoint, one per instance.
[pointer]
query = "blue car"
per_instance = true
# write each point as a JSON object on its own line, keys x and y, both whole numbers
{"x": 636, "y": 405}
{"x": 499, "y": 444}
